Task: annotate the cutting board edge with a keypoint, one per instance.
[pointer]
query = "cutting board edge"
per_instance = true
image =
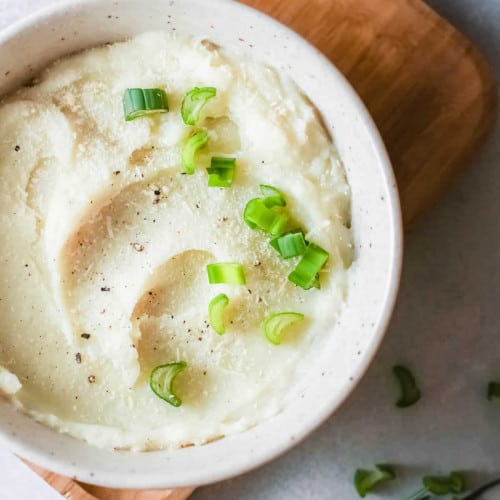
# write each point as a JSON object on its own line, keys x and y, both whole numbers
{"x": 483, "y": 128}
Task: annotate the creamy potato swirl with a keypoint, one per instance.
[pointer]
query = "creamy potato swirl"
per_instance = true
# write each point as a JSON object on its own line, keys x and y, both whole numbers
{"x": 106, "y": 242}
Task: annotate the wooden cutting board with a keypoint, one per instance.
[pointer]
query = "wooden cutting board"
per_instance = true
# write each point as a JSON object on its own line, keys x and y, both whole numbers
{"x": 430, "y": 92}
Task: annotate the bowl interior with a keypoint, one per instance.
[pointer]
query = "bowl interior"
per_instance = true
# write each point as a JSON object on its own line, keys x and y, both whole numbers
{"x": 30, "y": 45}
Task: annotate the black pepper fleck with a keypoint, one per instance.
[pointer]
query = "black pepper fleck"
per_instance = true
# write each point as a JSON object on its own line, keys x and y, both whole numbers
{"x": 91, "y": 379}
{"x": 85, "y": 335}
{"x": 137, "y": 247}
{"x": 105, "y": 289}
{"x": 78, "y": 357}
{"x": 17, "y": 148}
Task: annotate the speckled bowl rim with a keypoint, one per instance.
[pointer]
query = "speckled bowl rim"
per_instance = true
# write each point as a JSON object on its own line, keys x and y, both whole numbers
{"x": 118, "y": 479}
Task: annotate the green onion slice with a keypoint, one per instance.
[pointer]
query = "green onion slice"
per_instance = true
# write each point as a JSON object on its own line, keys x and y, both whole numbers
{"x": 141, "y": 102}
{"x": 444, "y": 485}
{"x": 221, "y": 172}
{"x": 441, "y": 485}
{"x": 275, "y": 324}
{"x": 273, "y": 197}
{"x": 215, "y": 309}
{"x": 290, "y": 244}
{"x": 410, "y": 393}
{"x": 162, "y": 379}
{"x": 191, "y": 146}
{"x": 313, "y": 260}
{"x": 367, "y": 480}
{"x": 194, "y": 101}
{"x": 258, "y": 215}
{"x": 229, "y": 273}
{"x": 493, "y": 390}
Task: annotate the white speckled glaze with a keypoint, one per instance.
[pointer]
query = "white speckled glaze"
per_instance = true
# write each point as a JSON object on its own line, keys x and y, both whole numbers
{"x": 28, "y": 46}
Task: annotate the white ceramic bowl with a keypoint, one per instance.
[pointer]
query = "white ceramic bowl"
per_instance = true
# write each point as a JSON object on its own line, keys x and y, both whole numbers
{"x": 28, "y": 46}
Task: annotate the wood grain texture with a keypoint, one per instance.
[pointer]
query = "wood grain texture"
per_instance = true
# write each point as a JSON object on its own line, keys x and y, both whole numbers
{"x": 111, "y": 494}
{"x": 430, "y": 92}
{"x": 67, "y": 487}
{"x": 73, "y": 490}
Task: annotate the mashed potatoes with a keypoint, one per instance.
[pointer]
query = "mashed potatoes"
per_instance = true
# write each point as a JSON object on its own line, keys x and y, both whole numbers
{"x": 105, "y": 244}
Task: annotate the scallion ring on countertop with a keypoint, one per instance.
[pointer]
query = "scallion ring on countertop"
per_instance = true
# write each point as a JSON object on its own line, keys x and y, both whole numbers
{"x": 221, "y": 171}
{"x": 195, "y": 142}
{"x": 215, "y": 310}
{"x": 290, "y": 244}
{"x": 230, "y": 273}
{"x": 162, "y": 379}
{"x": 493, "y": 390}
{"x": 258, "y": 215}
{"x": 439, "y": 485}
{"x": 410, "y": 393}
{"x": 367, "y": 480}
{"x": 306, "y": 272}
{"x": 141, "y": 102}
{"x": 272, "y": 196}
{"x": 275, "y": 324}
{"x": 444, "y": 485}
{"x": 194, "y": 101}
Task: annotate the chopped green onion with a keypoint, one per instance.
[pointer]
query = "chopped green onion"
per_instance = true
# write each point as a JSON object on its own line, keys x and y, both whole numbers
{"x": 194, "y": 101}
{"x": 221, "y": 172}
{"x": 215, "y": 308}
{"x": 275, "y": 324}
{"x": 272, "y": 197}
{"x": 493, "y": 390}
{"x": 290, "y": 244}
{"x": 258, "y": 215}
{"x": 444, "y": 485}
{"x": 366, "y": 480}
{"x": 141, "y": 102}
{"x": 305, "y": 274}
{"x": 162, "y": 379}
{"x": 191, "y": 146}
{"x": 410, "y": 393}
{"x": 230, "y": 273}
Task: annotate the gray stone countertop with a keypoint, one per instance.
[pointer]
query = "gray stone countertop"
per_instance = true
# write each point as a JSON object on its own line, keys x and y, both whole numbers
{"x": 446, "y": 327}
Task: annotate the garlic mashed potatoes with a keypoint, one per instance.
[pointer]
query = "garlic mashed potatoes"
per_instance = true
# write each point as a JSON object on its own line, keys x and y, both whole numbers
{"x": 105, "y": 244}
